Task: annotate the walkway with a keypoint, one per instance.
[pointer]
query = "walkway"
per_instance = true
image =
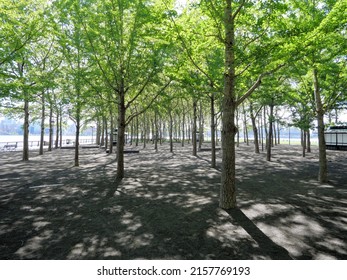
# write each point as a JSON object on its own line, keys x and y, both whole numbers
{"x": 167, "y": 207}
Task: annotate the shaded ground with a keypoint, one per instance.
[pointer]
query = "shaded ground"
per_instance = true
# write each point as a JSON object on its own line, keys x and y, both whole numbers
{"x": 167, "y": 207}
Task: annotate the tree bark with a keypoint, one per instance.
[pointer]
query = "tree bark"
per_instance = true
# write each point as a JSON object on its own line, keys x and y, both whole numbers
{"x": 160, "y": 133}
{"x": 171, "y": 131}
{"x": 265, "y": 129}
{"x": 245, "y": 134}
{"x": 274, "y": 138}
{"x": 50, "y": 127}
{"x": 278, "y": 133}
{"x": 303, "y": 143}
{"x": 237, "y": 126}
{"x": 194, "y": 128}
{"x": 323, "y": 165}
{"x": 308, "y": 141}
{"x": 227, "y": 197}
{"x": 26, "y": 129}
{"x": 98, "y": 131}
{"x": 57, "y": 126}
{"x": 43, "y": 116}
{"x": 213, "y": 133}
{"x": 121, "y": 130}
{"x": 183, "y": 127}
{"x": 144, "y": 125}
{"x": 255, "y": 129}
{"x": 77, "y": 137}
{"x": 201, "y": 125}
{"x": 110, "y": 144}
{"x": 156, "y": 135}
{"x": 137, "y": 131}
{"x": 61, "y": 126}
{"x": 105, "y": 133}
{"x": 269, "y": 141}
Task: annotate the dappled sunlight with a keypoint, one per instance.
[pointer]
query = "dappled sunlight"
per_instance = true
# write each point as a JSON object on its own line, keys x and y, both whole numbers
{"x": 90, "y": 247}
{"x": 31, "y": 246}
{"x": 132, "y": 223}
{"x": 131, "y": 241}
{"x": 166, "y": 207}
{"x": 333, "y": 244}
{"x": 224, "y": 231}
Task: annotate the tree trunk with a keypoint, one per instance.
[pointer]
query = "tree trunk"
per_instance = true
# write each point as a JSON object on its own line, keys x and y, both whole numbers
{"x": 43, "y": 116}
{"x": 261, "y": 133}
{"x": 144, "y": 125}
{"x": 245, "y": 134}
{"x": 303, "y": 143}
{"x": 137, "y": 131}
{"x": 201, "y": 126}
{"x": 194, "y": 128}
{"x": 237, "y": 127}
{"x": 26, "y": 129}
{"x": 213, "y": 134}
{"x": 227, "y": 197}
{"x": 302, "y": 137}
{"x": 121, "y": 130}
{"x": 255, "y": 129}
{"x": 183, "y": 127}
{"x": 323, "y": 165}
{"x": 50, "y": 127}
{"x": 171, "y": 131}
{"x": 278, "y": 133}
{"x": 178, "y": 128}
{"x": 308, "y": 141}
{"x": 274, "y": 141}
{"x": 98, "y": 131}
{"x": 105, "y": 133}
{"x": 110, "y": 144}
{"x": 265, "y": 129}
{"x": 77, "y": 137}
{"x": 189, "y": 130}
{"x": 160, "y": 133}
{"x": 269, "y": 141}
{"x": 156, "y": 135}
{"x": 61, "y": 126}
{"x": 153, "y": 129}
{"x": 57, "y": 130}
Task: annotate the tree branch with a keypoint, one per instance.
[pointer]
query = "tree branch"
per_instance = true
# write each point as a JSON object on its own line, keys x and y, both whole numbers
{"x": 257, "y": 84}
{"x": 188, "y": 51}
{"x": 97, "y": 59}
{"x": 141, "y": 90}
{"x": 238, "y": 9}
{"x": 130, "y": 118}
{"x": 244, "y": 70}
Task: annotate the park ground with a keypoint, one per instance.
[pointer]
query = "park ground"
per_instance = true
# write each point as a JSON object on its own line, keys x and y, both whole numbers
{"x": 166, "y": 207}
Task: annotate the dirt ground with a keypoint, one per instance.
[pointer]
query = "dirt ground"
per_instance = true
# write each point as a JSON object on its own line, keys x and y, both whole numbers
{"x": 167, "y": 206}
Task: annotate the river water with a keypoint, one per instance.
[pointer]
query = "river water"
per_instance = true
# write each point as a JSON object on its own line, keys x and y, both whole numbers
{"x": 34, "y": 140}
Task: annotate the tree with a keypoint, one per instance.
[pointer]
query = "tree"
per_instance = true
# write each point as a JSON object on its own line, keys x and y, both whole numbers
{"x": 322, "y": 46}
{"x": 20, "y": 25}
{"x": 231, "y": 98}
{"x": 68, "y": 19}
{"x": 129, "y": 48}
{"x": 21, "y": 28}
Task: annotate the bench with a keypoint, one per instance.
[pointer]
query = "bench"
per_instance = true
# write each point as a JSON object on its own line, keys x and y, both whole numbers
{"x": 9, "y": 147}
{"x": 126, "y": 151}
{"x": 209, "y": 149}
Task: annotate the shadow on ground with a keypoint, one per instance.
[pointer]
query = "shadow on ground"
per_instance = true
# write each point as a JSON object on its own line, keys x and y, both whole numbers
{"x": 167, "y": 208}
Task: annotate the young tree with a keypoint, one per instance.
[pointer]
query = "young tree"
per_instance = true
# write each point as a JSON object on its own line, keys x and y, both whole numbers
{"x": 322, "y": 46}
{"x": 129, "y": 48}
{"x": 21, "y": 29}
{"x": 236, "y": 14}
